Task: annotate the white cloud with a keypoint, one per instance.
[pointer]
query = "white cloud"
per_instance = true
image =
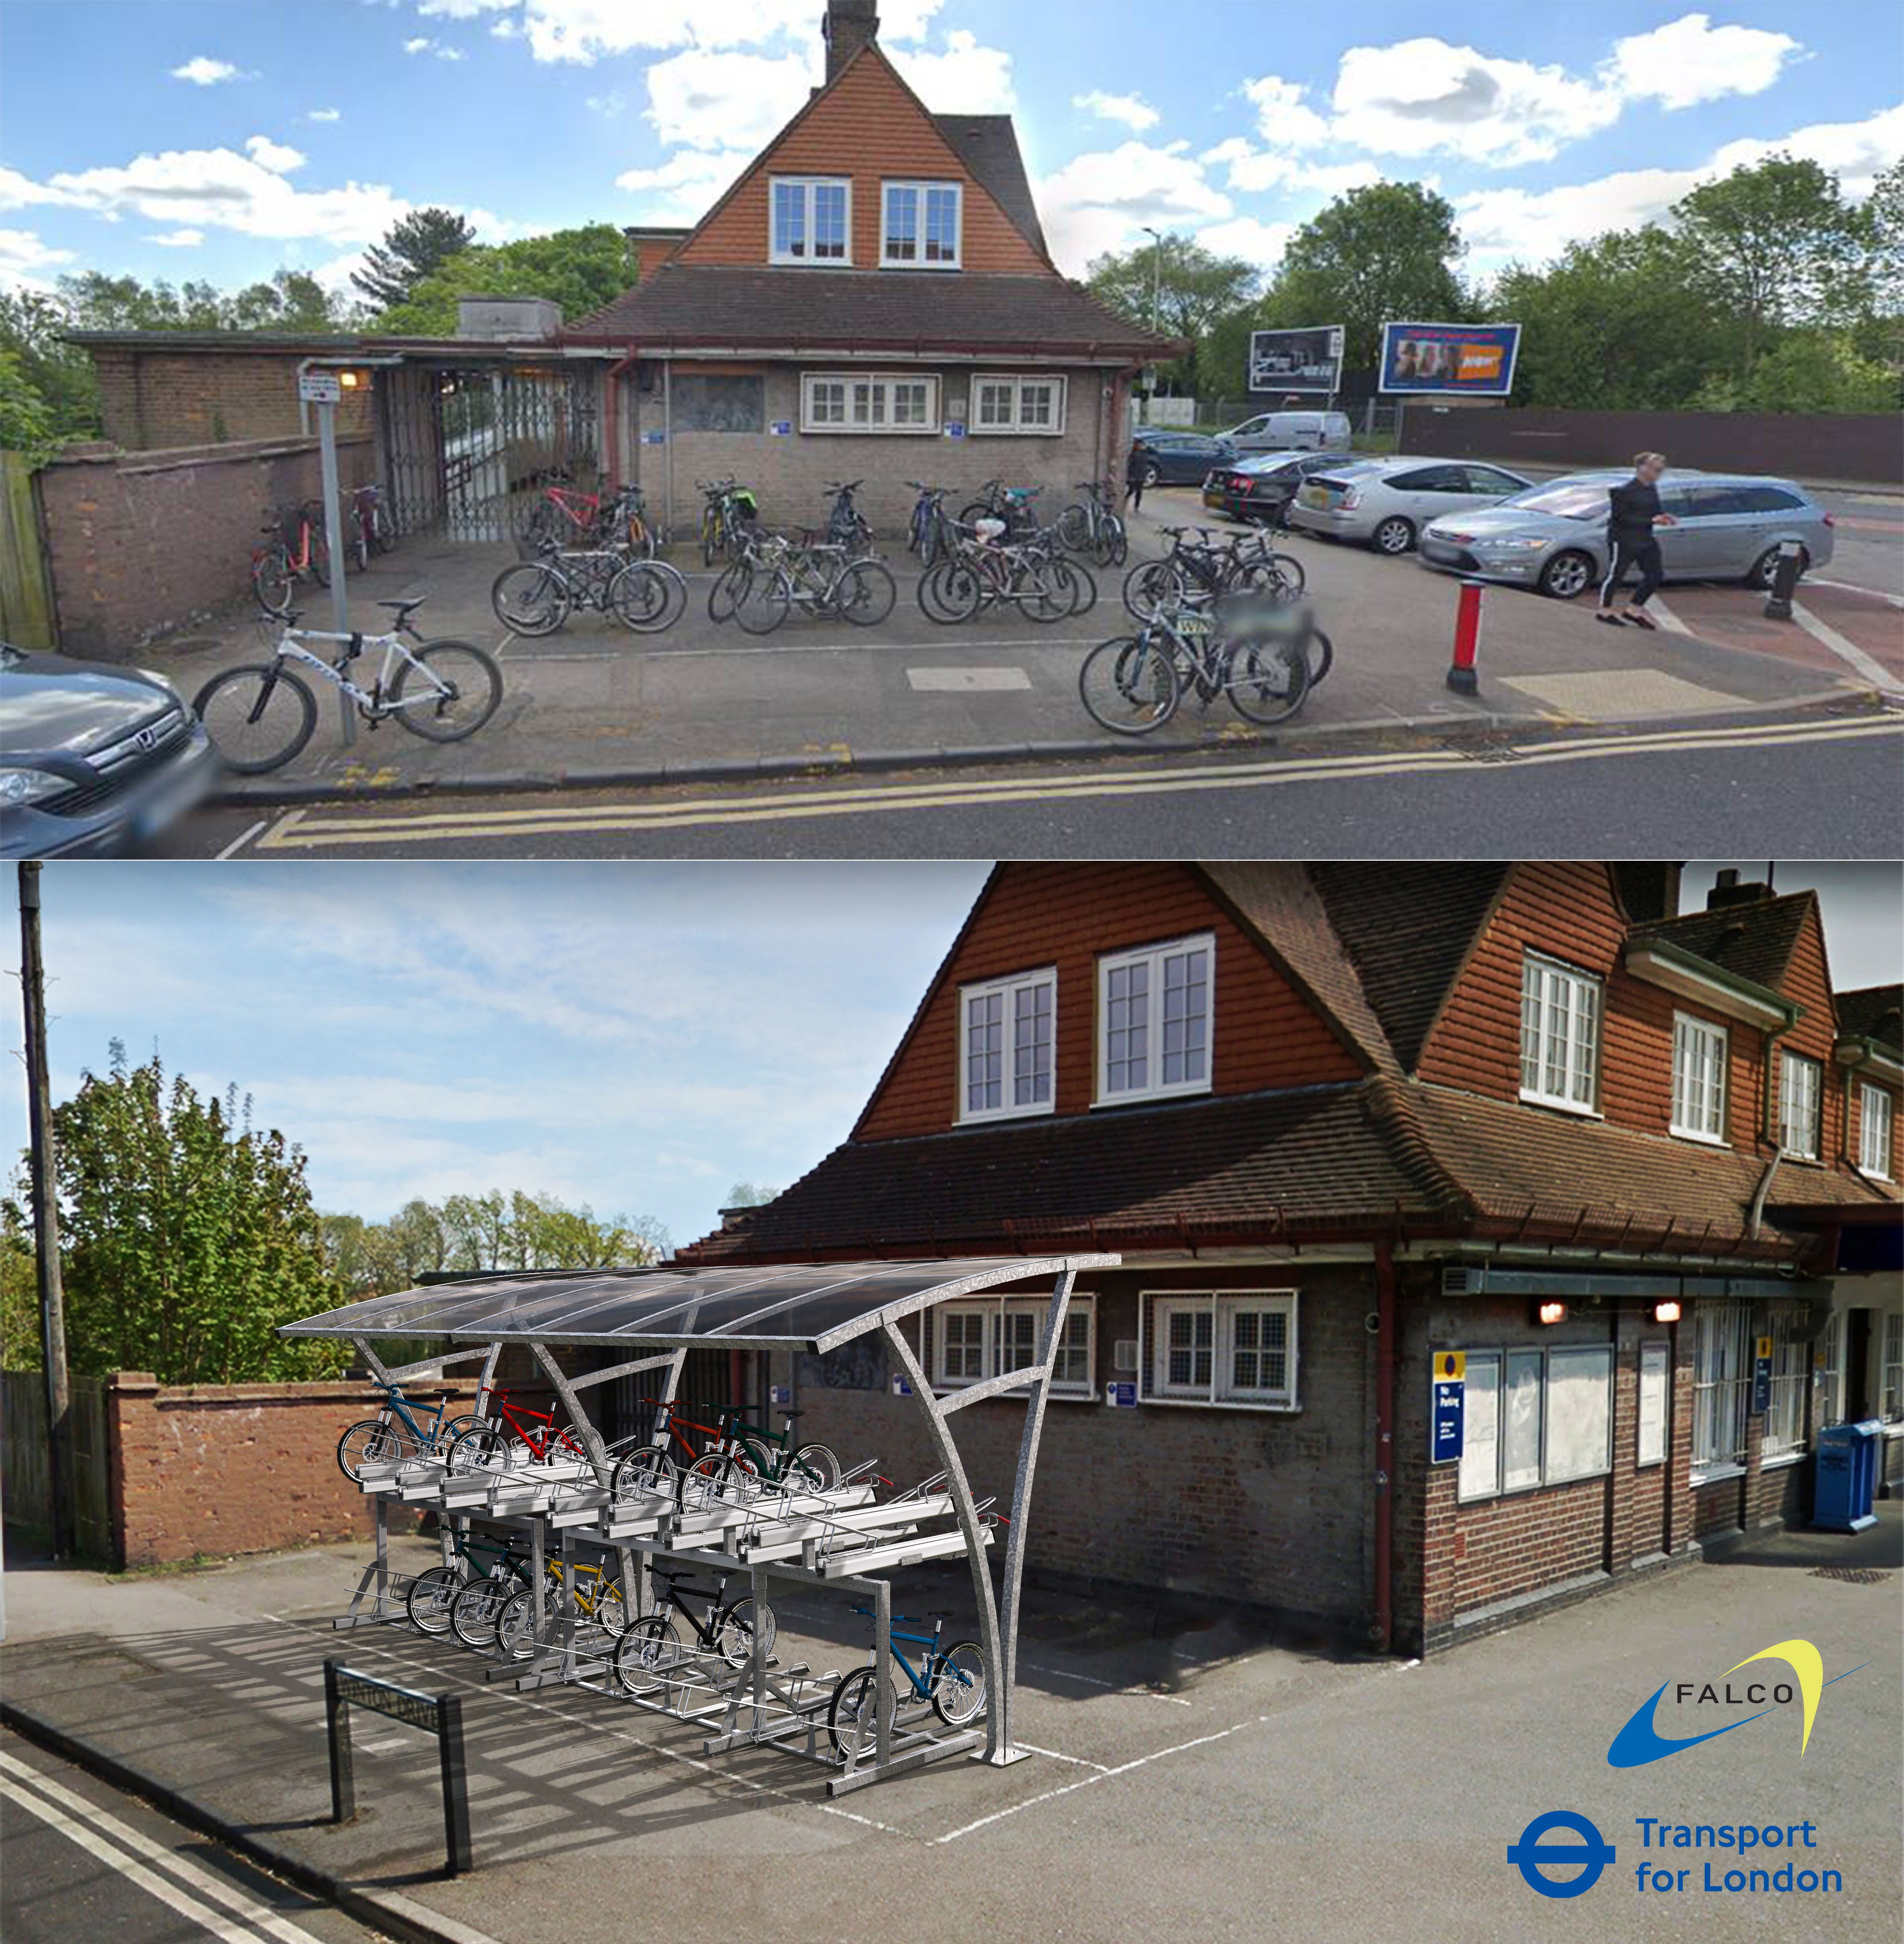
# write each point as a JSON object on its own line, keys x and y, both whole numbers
{"x": 1284, "y": 117}
{"x": 178, "y": 239}
{"x": 1262, "y": 244}
{"x": 1131, "y": 109}
{"x": 449, "y": 53}
{"x": 740, "y": 99}
{"x": 272, "y": 156}
{"x": 463, "y": 10}
{"x": 421, "y": 45}
{"x": 325, "y": 115}
{"x": 1689, "y": 60}
{"x": 684, "y": 187}
{"x": 607, "y": 105}
{"x": 1103, "y": 201}
{"x": 202, "y": 71}
{"x": 23, "y": 256}
{"x": 1252, "y": 170}
{"x": 966, "y": 79}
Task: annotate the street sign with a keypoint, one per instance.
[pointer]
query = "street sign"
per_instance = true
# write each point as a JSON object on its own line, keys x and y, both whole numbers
{"x": 900, "y": 1387}
{"x": 320, "y": 387}
{"x": 1761, "y": 1376}
{"x": 1124, "y": 1395}
{"x": 1449, "y": 1414}
{"x": 1452, "y": 1365}
{"x": 780, "y": 1393}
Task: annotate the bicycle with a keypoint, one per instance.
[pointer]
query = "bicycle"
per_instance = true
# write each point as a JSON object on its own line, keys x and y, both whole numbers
{"x": 817, "y": 578}
{"x": 1256, "y": 656}
{"x": 653, "y": 1644}
{"x": 371, "y": 531}
{"x": 846, "y": 526}
{"x": 432, "y": 1595}
{"x": 1089, "y": 525}
{"x": 1011, "y": 504}
{"x": 537, "y": 597}
{"x": 596, "y": 1591}
{"x": 652, "y": 1469}
{"x": 730, "y": 512}
{"x": 927, "y": 528}
{"x": 260, "y": 714}
{"x": 377, "y": 1441}
{"x": 952, "y": 1679}
{"x": 486, "y": 1446}
{"x": 1203, "y": 567}
{"x": 477, "y": 1604}
{"x": 298, "y": 550}
{"x": 985, "y": 570}
{"x": 752, "y": 1458}
{"x": 563, "y": 516}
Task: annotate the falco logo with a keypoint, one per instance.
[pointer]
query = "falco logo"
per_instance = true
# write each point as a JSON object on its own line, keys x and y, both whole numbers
{"x": 1639, "y": 1743}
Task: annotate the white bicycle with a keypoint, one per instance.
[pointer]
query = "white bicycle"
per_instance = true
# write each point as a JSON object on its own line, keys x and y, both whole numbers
{"x": 259, "y": 716}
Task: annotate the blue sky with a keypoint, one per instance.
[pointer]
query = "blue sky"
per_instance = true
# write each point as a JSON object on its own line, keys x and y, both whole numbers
{"x": 636, "y": 1036}
{"x": 221, "y": 138}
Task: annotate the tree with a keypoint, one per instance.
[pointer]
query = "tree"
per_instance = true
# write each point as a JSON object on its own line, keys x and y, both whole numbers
{"x": 580, "y": 269}
{"x": 19, "y": 1287}
{"x": 1195, "y": 287}
{"x": 25, "y": 418}
{"x": 189, "y": 1234}
{"x": 749, "y": 1195}
{"x": 1805, "y": 371}
{"x": 412, "y": 246}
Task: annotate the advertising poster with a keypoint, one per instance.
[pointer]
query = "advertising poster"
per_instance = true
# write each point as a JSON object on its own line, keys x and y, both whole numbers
{"x": 1467, "y": 359}
{"x": 1306, "y": 362}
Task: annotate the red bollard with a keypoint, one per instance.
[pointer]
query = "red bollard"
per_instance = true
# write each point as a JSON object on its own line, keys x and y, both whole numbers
{"x": 1462, "y": 677}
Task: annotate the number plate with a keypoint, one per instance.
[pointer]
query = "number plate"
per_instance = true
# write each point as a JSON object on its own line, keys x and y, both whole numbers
{"x": 1314, "y": 495}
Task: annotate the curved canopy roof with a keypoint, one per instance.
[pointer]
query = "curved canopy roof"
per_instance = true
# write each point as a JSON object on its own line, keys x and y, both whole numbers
{"x": 806, "y": 1306}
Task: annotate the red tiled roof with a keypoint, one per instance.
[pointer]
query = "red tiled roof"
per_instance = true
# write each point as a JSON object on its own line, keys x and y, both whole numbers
{"x": 1873, "y": 1012}
{"x": 1753, "y": 938}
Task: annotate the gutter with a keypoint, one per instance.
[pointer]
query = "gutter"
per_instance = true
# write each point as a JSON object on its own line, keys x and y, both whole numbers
{"x": 1385, "y": 1286}
{"x": 611, "y": 413}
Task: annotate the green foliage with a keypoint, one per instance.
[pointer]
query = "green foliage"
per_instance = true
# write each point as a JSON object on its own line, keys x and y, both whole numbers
{"x": 1194, "y": 288}
{"x": 412, "y": 246}
{"x": 20, "y": 1304}
{"x": 1805, "y": 371}
{"x": 59, "y": 376}
{"x": 25, "y": 418}
{"x": 189, "y": 1234}
{"x": 581, "y": 269}
{"x": 749, "y": 1195}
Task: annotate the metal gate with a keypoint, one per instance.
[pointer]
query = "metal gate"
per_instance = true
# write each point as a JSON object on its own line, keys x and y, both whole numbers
{"x": 467, "y": 446}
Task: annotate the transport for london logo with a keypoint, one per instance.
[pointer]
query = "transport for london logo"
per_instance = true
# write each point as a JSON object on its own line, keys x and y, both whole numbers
{"x": 1639, "y": 1741}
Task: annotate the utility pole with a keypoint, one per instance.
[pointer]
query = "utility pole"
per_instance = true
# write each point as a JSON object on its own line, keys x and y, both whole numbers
{"x": 46, "y": 1219}
{"x": 1156, "y": 274}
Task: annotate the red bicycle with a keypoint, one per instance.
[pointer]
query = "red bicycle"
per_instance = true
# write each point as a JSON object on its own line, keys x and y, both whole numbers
{"x": 565, "y": 517}
{"x": 296, "y": 550}
{"x": 653, "y": 1467}
{"x": 488, "y": 1447}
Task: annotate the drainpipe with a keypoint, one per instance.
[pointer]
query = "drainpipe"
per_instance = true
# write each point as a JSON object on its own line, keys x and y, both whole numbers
{"x": 1385, "y": 1446}
{"x": 668, "y": 434}
{"x": 1758, "y": 1212}
{"x": 612, "y": 415}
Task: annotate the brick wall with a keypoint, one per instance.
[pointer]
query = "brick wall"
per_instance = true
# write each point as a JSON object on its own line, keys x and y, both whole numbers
{"x": 227, "y": 1469}
{"x": 138, "y": 543}
{"x": 151, "y": 399}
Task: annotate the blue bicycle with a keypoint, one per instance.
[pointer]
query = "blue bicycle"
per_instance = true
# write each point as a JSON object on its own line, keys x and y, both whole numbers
{"x": 952, "y": 1679}
{"x": 399, "y": 1431}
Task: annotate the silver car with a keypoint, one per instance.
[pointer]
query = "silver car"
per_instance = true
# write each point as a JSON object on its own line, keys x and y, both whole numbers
{"x": 1726, "y": 527}
{"x": 1386, "y": 502}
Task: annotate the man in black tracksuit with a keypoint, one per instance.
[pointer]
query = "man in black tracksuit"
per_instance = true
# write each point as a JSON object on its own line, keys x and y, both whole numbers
{"x": 1634, "y": 512}
{"x": 1136, "y": 470}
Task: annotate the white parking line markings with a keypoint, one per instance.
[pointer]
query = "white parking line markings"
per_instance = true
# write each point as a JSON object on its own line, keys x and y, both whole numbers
{"x": 1873, "y": 671}
{"x": 966, "y": 680}
{"x": 1852, "y": 587}
{"x": 1665, "y": 616}
{"x": 238, "y": 843}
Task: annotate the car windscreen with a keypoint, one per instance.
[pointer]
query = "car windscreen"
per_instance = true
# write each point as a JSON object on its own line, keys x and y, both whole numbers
{"x": 1568, "y": 499}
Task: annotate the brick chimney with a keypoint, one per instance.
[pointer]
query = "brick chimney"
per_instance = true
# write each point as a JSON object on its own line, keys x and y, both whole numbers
{"x": 1727, "y": 889}
{"x": 850, "y": 26}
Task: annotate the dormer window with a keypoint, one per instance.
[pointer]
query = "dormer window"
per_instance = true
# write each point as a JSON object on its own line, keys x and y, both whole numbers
{"x": 812, "y": 220}
{"x": 919, "y": 229}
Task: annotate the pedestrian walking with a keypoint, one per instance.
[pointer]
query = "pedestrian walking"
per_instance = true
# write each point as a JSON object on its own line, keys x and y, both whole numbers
{"x": 1633, "y": 513}
{"x": 1136, "y": 470}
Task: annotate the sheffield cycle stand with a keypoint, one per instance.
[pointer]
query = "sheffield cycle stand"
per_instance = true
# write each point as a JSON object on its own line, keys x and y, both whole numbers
{"x": 845, "y": 1538}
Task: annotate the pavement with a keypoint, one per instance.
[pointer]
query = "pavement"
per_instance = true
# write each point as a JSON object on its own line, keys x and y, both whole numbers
{"x": 1193, "y": 1773}
{"x": 594, "y": 706}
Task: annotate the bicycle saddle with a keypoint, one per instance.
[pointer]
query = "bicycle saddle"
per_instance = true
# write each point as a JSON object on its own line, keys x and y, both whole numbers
{"x": 402, "y": 608}
{"x": 789, "y": 1415}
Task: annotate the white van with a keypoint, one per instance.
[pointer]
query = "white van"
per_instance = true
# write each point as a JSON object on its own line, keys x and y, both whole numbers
{"x": 1292, "y": 431}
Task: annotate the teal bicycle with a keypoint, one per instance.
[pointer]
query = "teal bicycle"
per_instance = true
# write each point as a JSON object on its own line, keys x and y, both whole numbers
{"x": 479, "y": 1560}
{"x": 399, "y": 1431}
{"x": 750, "y": 1459}
{"x": 952, "y": 1679}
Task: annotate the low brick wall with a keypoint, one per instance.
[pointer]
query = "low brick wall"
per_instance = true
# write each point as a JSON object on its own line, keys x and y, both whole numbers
{"x": 138, "y": 543}
{"x": 224, "y": 1469}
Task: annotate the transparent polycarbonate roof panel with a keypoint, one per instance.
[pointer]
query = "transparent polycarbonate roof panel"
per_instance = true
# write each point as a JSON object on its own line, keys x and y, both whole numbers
{"x": 815, "y": 1306}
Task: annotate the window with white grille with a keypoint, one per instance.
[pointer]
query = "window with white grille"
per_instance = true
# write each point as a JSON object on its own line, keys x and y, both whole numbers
{"x": 920, "y": 227}
{"x": 1006, "y": 1041}
{"x": 1789, "y": 1328}
{"x": 1874, "y": 1115}
{"x": 1827, "y": 1366}
{"x": 1891, "y": 1402}
{"x": 1221, "y": 1349}
{"x": 1722, "y": 1386}
{"x": 1800, "y": 1091}
{"x": 812, "y": 220}
{"x": 1699, "y": 1077}
{"x": 1560, "y": 1035}
{"x": 1033, "y": 406}
{"x": 967, "y": 1342}
{"x": 833, "y": 401}
{"x": 1154, "y": 1020}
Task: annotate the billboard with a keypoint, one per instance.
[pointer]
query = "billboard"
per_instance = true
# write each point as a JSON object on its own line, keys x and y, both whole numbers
{"x": 1296, "y": 361}
{"x": 1471, "y": 360}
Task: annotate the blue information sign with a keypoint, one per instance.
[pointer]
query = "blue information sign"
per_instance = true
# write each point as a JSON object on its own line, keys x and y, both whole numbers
{"x": 1449, "y": 1415}
{"x": 1124, "y": 1394}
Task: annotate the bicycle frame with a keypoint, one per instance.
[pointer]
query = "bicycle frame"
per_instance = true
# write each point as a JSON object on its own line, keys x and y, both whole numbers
{"x": 290, "y": 648}
{"x": 539, "y": 1443}
{"x": 921, "y": 1688}
{"x": 394, "y": 1400}
{"x": 672, "y": 1600}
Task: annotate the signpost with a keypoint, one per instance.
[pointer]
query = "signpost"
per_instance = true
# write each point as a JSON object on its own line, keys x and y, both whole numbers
{"x": 1448, "y": 1414}
{"x": 439, "y": 1714}
{"x": 1762, "y": 1376}
{"x": 324, "y": 390}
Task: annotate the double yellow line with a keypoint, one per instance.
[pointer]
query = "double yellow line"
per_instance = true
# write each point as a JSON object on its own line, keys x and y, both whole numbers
{"x": 306, "y": 830}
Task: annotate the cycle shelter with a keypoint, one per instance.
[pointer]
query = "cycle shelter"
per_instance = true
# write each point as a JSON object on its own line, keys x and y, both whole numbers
{"x": 846, "y": 1529}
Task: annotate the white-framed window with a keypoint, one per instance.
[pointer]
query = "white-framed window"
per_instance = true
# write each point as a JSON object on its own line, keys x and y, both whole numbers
{"x": 1721, "y": 1387}
{"x": 1800, "y": 1091}
{"x": 1655, "y": 1402}
{"x": 809, "y": 220}
{"x": 1536, "y": 1417}
{"x": 1153, "y": 1019}
{"x": 1890, "y": 1402}
{"x": 1828, "y": 1372}
{"x": 1005, "y": 1047}
{"x": 1698, "y": 1078}
{"x": 852, "y": 401}
{"x": 920, "y": 225}
{"x": 1874, "y": 1118}
{"x": 1219, "y": 1347}
{"x": 1560, "y": 1035}
{"x": 1784, "y": 1414}
{"x": 965, "y": 1342}
{"x": 1032, "y": 405}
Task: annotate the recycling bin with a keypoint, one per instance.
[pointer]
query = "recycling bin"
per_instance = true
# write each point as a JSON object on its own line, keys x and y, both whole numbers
{"x": 1845, "y": 1479}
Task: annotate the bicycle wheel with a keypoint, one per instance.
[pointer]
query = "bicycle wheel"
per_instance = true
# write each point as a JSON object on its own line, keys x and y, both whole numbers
{"x": 609, "y": 1609}
{"x": 360, "y": 544}
{"x": 1050, "y": 592}
{"x": 724, "y": 594}
{"x": 515, "y": 1625}
{"x": 457, "y": 688}
{"x": 1266, "y": 680}
{"x": 958, "y": 1684}
{"x": 813, "y": 1467}
{"x": 531, "y": 598}
{"x": 704, "y": 1484}
{"x": 539, "y": 530}
{"x": 1130, "y": 685}
{"x": 372, "y": 1442}
{"x": 485, "y": 1449}
{"x": 710, "y": 538}
{"x": 950, "y": 592}
{"x": 931, "y": 546}
{"x": 648, "y": 1473}
{"x": 1321, "y": 652}
{"x": 1074, "y": 527}
{"x": 1085, "y": 598}
{"x": 258, "y": 717}
{"x": 1113, "y": 546}
{"x": 864, "y": 593}
{"x": 735, "y": 1626}
{"x": 648, "y": 596}
{"x": 272, "y": 580}
{"x": 475, "y": 1609}
{"x": 1147, "y": 585}
{"x": 319, "y": 556}
{"x": 432, "y": 1595}
{"x": 852, "y": 1717}
{"x": 761, "y": 604}
{"x": 647, "y": 1650}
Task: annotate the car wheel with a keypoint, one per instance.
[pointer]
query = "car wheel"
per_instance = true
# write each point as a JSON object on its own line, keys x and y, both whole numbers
{"x": 1765, "y": 568}
{"x": 1566, "y": 575}
{"x": 1152, "y": 476}
{"x": 1394, "y": 535}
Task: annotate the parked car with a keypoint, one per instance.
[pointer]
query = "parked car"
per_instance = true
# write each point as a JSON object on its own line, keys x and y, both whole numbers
{"x": 1292, "y": 431}
{"x": 1259, "y": 486}
{"x": 1727, "y": 527}
{"x": 1386, "y": 502}
{"x": 1183, "y": 458}
{"x": 94, "y": 759}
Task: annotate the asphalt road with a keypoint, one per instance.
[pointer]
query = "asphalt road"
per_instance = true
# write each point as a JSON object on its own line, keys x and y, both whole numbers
{"x": 1756, "y": 786}
{"x": 84, "y": 1862}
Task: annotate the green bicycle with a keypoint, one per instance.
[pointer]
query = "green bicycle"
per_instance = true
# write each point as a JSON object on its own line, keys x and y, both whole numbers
{"x": 751, "y": 1459}
{"x": 479, "y": 1560}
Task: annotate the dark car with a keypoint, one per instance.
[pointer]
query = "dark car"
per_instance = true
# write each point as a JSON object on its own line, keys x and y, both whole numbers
{"x": 93, "y": 759}
{"x": 1259, "y": 486}
{"x": 1183, "y": 458}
